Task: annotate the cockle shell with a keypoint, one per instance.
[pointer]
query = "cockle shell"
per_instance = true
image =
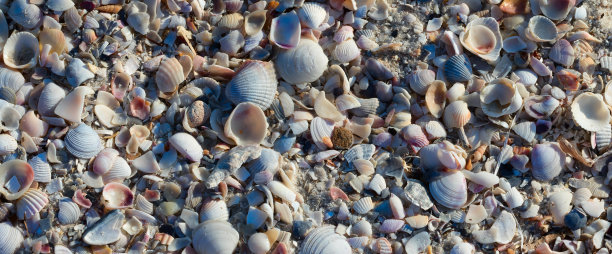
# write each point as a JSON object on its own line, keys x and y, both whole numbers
{"x": 71, "y": 106}
{"x": 254, "y": 22}
{"x": 324, "y": 240}
{"x": 215, "y": 237}
{"x": 50, "y": 96}
{"x": 547, "y": 161}
{"x": 456, "y": 114}
{"x": 8, "y": 144}
{"x": 83, "y": 142}
{"x": 119, "y": 171}
{"x": 21, "y": 51}
{"x": 500, "y": 97}
{"x": 420, "y": 80}
{"x": 11, "y": 79}
{"x": 562, "y": 52}
{"x": 590, "y": 112}
{"x": 303, "y": 64}
{"x": 320, "y": 132}
{"x": 363, "y": 151}
{"x": 449, "y": 189}
{"x": 483, "y": 38}
{"x": 69, "y": 212}
{"x": 31, "y": 203}
{"x": 541, "y": 29}
{"x": 415, "y": 137}
{"x": 285, "y": 30}
{"x": 267, "y": 161}
{"x": 146, "y": 163}
{"x": 16, "y": 176}
{"x": 187, "y": 146}
{"x": 346, "y": 51}
{"x": 53, "y": 37}
{"x": 312, "y": 14}
{"x": 11, "y": 238}
{"x": 556, "y": 9}
{"x": 33, "y": 126}
{"x": 169, "y": 75}
{"x": 247, "y": 124}
{"x": 117, "y": 196}
{"x": 25, "y": 14}
{"x": 254, "y": 82}
{"x": 259, "y": 243}
{"x": 73, "y": 19}
{"x": 435, "y": 98}
{"x": 214, "y": 210}
{"x": 41, "y": 168}
{"x": 457, "y": 69}
{"x": 363, "y": 205}
{"x": 526, "y": 77}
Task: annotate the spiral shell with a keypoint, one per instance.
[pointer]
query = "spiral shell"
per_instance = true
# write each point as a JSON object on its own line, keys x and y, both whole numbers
{"x": 83, "y": 142}
{"x": 255, "y": 82}
{"x": 303, "y": 64}
{"x": 69, "y": 212}
{"x": 169, "y": 75}
{"x": 21, "y": 51}
{"x": 31, "y": 203}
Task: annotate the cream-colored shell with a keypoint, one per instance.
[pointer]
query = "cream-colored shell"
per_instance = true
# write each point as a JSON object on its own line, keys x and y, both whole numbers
{"x": 590, "y": 112}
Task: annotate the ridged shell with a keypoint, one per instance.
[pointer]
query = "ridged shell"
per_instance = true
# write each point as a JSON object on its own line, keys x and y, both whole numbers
{"x": 77, "y": 72}
{"x": 69, "y": 212}
{"x": 483, "y": 38}
{"x": 590, "y": 112}
{"x": 214, "y": 210}
{"x": 31, "y": 203}
{"x": 187, "y": 146}
{"x": 457, "y": 69}
{"x": 450, "y": 190}
{"x": 140, "y": 21}
{"x": 231, "y": 21}
{"x": 414, "y": 136}
{"x": 143, "y": 204}
{"x": 117, "y": 196}
{"x": 55, "y": 38}
{"x": 541, "y": 29}
{"x": 526, "y": 77}
{"x": 361, "y": 228}
{"x": 247, "y": 124}
{"x": 83, "y": 142}
{"x": 50, "y": 96}
{"x": 324, "y": 240}
{"x": 603, "y": 138}
{"x": 320, "y": 132}
{"x": 10, "y": 238}
{"x": 562, "y": 52}
{"x": 11, "y": 79}
{"x": 456, "y": 114}
{"x": 312, "y": 15}
{"x": 233, "y": 5}
{"x": 284, "y": 143}
{"x": 346, "y": 51}
{"x": 363, "y": 151}
{"x": 560, "y": 204}
{"x": 285, "y": 30}
{"x": 420, "y": 80}
{"x": 500, "y": 97}
{"x": 547, "y": 161}
{"x": 435, "y": 98}
{"x": 10, "y": 118}
{"x": 21, "y": 51}
{"x": 556, "y": 9}
{"x": 41, "y": 168}
{"x": 368, "y": 106}
{"x": 27, "y": 15}
{"x": 169, "y": 75}
{"x": 363, "y": 205}
{"x": 119, "y": 171}
{"x": 59, "y": 5}
{"x": 377, "y": 184}
{"x": 391, "y": 226}
{"x": 302, "y": 64}
{"x": 72, "y": 19}
{"x": 435, "y": 130}
{"x": 267, "y": 161}
{"x": 255, "y": 82}
{"x": 8, "y": 144}
{"x": 215, "y": 237}
{"x": 17, "y": 170}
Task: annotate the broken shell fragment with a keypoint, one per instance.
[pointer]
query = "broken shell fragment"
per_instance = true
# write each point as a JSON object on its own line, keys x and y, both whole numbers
{"x": 247, "y": 124}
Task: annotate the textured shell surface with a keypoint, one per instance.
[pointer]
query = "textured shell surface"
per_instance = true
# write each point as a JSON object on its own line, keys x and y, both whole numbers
{"x": 500, "y": 97}
{"x": 11, "y": 238}
{"x": 69, "y": 212}
{"x": 312, "y": 14}
{"x": 303, "y": 64}
{"x": 26, "y": 14}
{"x": 267, "y": 161}
{"x": 32, "y": 202}
{"x": 457, "y": 69}
{"x": 83, "y": 142}
{"x": 547, "y": 161}
{"x": 247, "y": 124}
{"x": 255, "y": 82}
{"x": 346, "y": 51}
{"x": 526, "y": 130}
{"x": 169, "y": 75}
{"x": 8, "y": 144}
{"x": 562, "y": 52}
{"x": 71, "y": 106}
{"x": 59, "y": 5}
{"x": 42, "y": 169}
{"x": 483, "y": 38}
{"x": 559, "y": 204}
{"x": 143, "y": 204}
{"x": 11, "y": 79}
{"x": 541, "y": 29}
{"x": 285, "y": 30}
{"x": 556, "y": 9}
{"x": 214, "y": 210}
{"x": 363, "y": 151}
{"x": 77, "y": 72}
{"x": 50, "y": 96}
{"x": 187, "y": 145}
{"x": 324, "y": 240}
{"x": 320, "y": 131}
{"x": 450, "y": 190}
{"x": 456, "y": 114}
{"x": 118, "y": 171}
{"x": 363, "y": 205}
{"x": 215, "y": 237}
{"x": 420, "y": 80}
{"x": 21, "y": 51}
{"x": 139, "y": 21}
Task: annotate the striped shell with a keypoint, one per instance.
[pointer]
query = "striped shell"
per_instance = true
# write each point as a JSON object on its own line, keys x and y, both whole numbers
{"x": 16, "y": 175}
{"x": 41, "y": 168}
{"x": 215, "y": 237}
{"x": 267, "y": 161}
{"x": 547, "y": 161}
{"x": 83, "y": 142}
{"x": 31, "y": 203}
{"x": 312, "y": 15}
{"x": 414, "y": 136}
{"x": 26, "y": 14}
{"x": 302, "y": 64}
{"x": 320, "y": 132}
{"x": 363, "y": 206}
{"x": 50, "y": 96}
{"x": 69, "y": 212}
{"x": 119, "y": 171}
{"x": 169, "y": 75}
{"x": 143, "y": 204}
{"x": 450, "y": 190}
{"x": 214, "y": 210}
{"x": 562, "y": 53}
{"x": 456, "y": 114}
{"x": 457, "y": 69}
{"x": 11, "y": 79}
{"x": 254, "y": 82}
{"x": 324, "y": 240}
{"x": 391, "y": 226}
{"x": 363, "y": 151}
{"x": 8, "y": 144}
{"x": 420, "y": 80}
{"x": 10, "y": 238}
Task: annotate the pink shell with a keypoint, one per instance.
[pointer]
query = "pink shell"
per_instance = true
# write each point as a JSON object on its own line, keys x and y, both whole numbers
{"x": 31, "y": 203}
{"x": 391, "y": 226}
{"x": 343, "y": 34}
{"x": 140, "y": 108}
{"x": 117, "y": 196}
{"x": 80, "y": 198}
{"x": 415, "y": 137}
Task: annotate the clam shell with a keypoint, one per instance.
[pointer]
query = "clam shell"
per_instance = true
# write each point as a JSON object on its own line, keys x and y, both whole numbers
{"x": 8, "y": 144}
{"x": 4, "y": 30}
{"x": 231, "y": 21}
{"x": 187, "y": 146}
{"x": 25, "y": 14}
{"x": 483, "y": 38}
{"x": 346, "y": 101}
{"x": 502, "y": 231}
{"x": 526, "y": 77}
{"x": 255, "y": 82}
{"x": 284, "y": 143}
{"x": 71, "y": 106}
{"x": 232, "y": 42}
{"x": 363, "y": 205}
{"x": 450, "y": 190}
{"x": 603, "y": 138}
{"x": 540, "y": 106}
{"x": 11, "y": 79}
{"x": 346, "y": 51}
{"x": 104, "y": 160}
{"x": 457, "y": 69}
{"x": 483, "y": 178}
{"x": 53, "y": 37}
{"x": 303, "y": 64}
{"x": 11, "y": 238}
{"x": 414, "y": 136}
{"x": 560, "y": 204}
{"x": 377, "y": 184}
{"x": 32, "y": 202}
{"x": 435, "y": 98}
{"x": 247, "y": 124}
{"x": 541, "y": 29}
{"x": 117, "y": 196}
{"x": 363, "y": 151}
{"x": 547, "y": 161}
{"x": 233, "y": 5}
{"x": 59, "y": 5}
{"x": 556, "y": 9}
{"x": 214, "y": 210}
{"x": 320, "y": 132}
{"x": 562, "y": 53}
{"x": 463, "y": 248}
{"x": 69, "y": 212}
{"x": 214, "y": 236}
{"x": 50, "y": 96}
{"x": 254, "y": 22}
{"x": 456, "y": 114}
{"x": 312, "y": 15}
{"x": 361, "y": 228}
{"x": 143, "y": 204}
{"x": 106, "y": 230}
{"x": 391, "y": 226}
{"x": 139, "y": 21}
{"x": 7, "y": 95}
{"x": 41, "y": 168}
{"x": 16, "y": 176}
{"x": 83, "y": 142}
{"x": 526, "y": 130}
{"x": 169, "y": 75}
{"x": 590, "y": 112}
{"x": 500, "y": 98}
{"x": 21, "y": 51}
{"x": 77, "y": 72}
{"x": 119, "y": 171}
{"x": 72, "y": 19}
{"x": 10, "y": 118}
{"x": 420, "y": 80}
{"x": 285, "y": 30}
{"x": 267, "y": 161}
{"x": 33, "y": 126}
{"x": 434, "y": 130}
{"x": 324, "y": 239}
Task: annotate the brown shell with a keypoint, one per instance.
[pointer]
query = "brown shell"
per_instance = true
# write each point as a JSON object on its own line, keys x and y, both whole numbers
{"x": 112, "y": 8}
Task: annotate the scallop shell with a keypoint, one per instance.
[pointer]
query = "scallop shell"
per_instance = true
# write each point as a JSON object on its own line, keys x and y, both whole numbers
{"x": 457, "y": 69}
{"x": 483, "y": 38}
{"x": 500, "y": 97}
{"x": 83, "y": 142}
{"x": 391, "y": 226}
{"x": 232, "y": 42}
{"x": 69, "y": 212}
{"x": 119, "y": 171}
{"x": 456, "y": 114}
{"x": 117, "y": 196}
{"x": 502, "y": 231}
{"x": 302, "y": 64}
{"x": 53, "y": 37}
{"x": 343, "y": 34}
{"x": 324, "y": 240}
{"x": 434, "y": 130}
{"x": 16, "y": 176}
{"x": 247, "y": 124}
{"x": 346, "y": 101}
{"x": 603, "y": 138}
{"x": 50, "y": 96}
{"x": 361, "y": 228}
{"x": 526, "y": 130}
{"x": 255, "y": 82}
{"x": 363, "y": 151}
{"x": 77, "y": 72}
{"x": 377, "y": 184}
{"x": 8, "y": 144}
{"x": 21, "y": 51}
{"x": 590, "y": 112}
{"x": 32, "y": 202}
{"x": 143, "y": 204}
{"x": 11, "y": 79}
{"x": 346, "y": 51}
{"x": 41, "y": 168}
{"x": 72, "y": 19}
{"x": 312, "y": 15}
{"x": 556, "y": 9}
{"x": 11, "y": 238}
{"x": 267, "y": 161}
{"x": 169, "y": 75}
{"x": 187, "y": 146}
{"x": 215, "y": 237}
{"x": 214, "y": 210}
{"x": 450, "y": 190}
{"x": 415, "y": 137}
{"x": 363, "y": 205}
{"x": 541, "y": 29}
{"x": 254, "y": 22}
{"x": 435, "y": 98}
{"x": 562, "y": 53}
{"x": 25, "y": 14}
{"x": 420, "y": 80}
{"x": 10, "y": 118}
{"x": 285, "y": 30}
{"x": 320, "y": 131}
{"x": 547, "y": 161}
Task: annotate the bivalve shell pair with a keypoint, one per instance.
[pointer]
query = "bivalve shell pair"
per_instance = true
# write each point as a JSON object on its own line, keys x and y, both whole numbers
{"x": 255, "y": 82}
{"x": 483, "y": 38}
{"x": 215, "y": 237}
{"x": 303, "y": 64}
{"x": 247, "y": 124}
{"x": 590, "y": 111}
{"x": 547, "y": 161}
{"x": 500, "y": 98}
{"x": 21, "y": 50}
{"x": 83, "y": 142}
{"x": 324, "y": 240}
{"x": 450, "y": 190}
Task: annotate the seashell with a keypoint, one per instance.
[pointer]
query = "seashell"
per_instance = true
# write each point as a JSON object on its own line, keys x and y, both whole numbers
{"x": 32, "y": 202}
{"x": 247, "y": 124}
{"x": 16, "y": 176}
{"x": 526, "y": 77}
{"x": 593, "y": 207}
{"x": 361, "y": 228}
{"x": 30, "y": 124}
{"x": 214, "y": 210}
{"x": 83, "y": 142}
{"x": 259, "y": 243}
{"x": 435, "y": 98}
{"x": 119, "y": 171}
{"x": 483, "y": 178}
{"x": 363, "y": 205}
{"x": 415, "y": 137}
{"x": 59, "y": 5}
{"x": 455, "y": 92}
{"x": 502, "y": 231}
{"x": 463, "y": 248}
{"x": 559, "y": 204}
{"x": 590, "y": 112}
{"x": 540, "y": 106}
{"x": 8, "y": 144}
{"x": 25, "y": 14}
{"x": 603, "y": 138}
{"x": 514, "y": 44}
{"x": 254, "y": 22}
{"x": 346, "y": 101}
{"x": 69, "y": 212}
{"x": 11, "y": 238}
{"x": 73, "y": 19}
{"x": 285, "y": 30}
{"x": 562, "y": 53}
{"x": 312, "y": 15}
{"x": 346, "y": 51}
{"x": 232, "y": 42}
{"x": 326, "y": 109}
{"x": 21, "y": 51}
{"x": 418, "y": 243}
{"x": 556, "y": 9}
{"x": 50, "y": 96}
{"x": 391, "y": 226}
{"x": 450, "y": 190}
{"x": 526, "y": 130}
{"x": 267, "y": 161}
{"x": 420, "y": 80}
{"x": 476, "y": 214}
{"x": 255, "y": 82}
{"x": 169, "y": 75}
{"x": 500, "y": 97}
{"x": 80, "y": 198}
{"x": 77, "y": 72}
{"x": 187, "y": 146}
{"x": 231, "y": 21}
{"x": 547, "y": 161}
{"x": 377, "y": 184}
{"x": 324, "y": 239}
{"x": 71, "y": 106}
{"x": 364, "y": 167}
{"x": 233, "y": 5}
{"x": 362, "y": 151}
{"x": 284, "y": 143}
{"x": 483, "y": 38}
{"x": 281, "y": 191}
{"x": 11, "y": 79}
{"x": 379, "y": 71}
{"x": 541, "y": 29}
{"x": 434, "y": 130}
{"x": 53, "y": 37}
{"x": 10, "y": 118}
{"x": 42, "y": 169}
{"x": 117, "y": 196}
{"x": 139, "y": 21}
{"x": 321, "y": 131}
{"x": 215, "y": 237}
{"x": 106, "y": 230}
{"x": 304, "y": 63}
{"x": 358, "y": 242}
{"x": 143, "y": 204}
{"x": 457, "y": 69}
{"x": 456, "y": 114}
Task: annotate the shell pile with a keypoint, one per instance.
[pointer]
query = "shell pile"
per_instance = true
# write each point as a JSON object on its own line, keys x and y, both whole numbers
{"x": 288, "y": 126}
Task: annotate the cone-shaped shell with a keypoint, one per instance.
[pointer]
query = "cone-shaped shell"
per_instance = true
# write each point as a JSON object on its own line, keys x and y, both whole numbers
{"x": 83, "y": 142}
{"x": 285, "y": 30}
{"x": 456, "y": 114}
{"x": 324, "y": 240}
{"x": 169, "y": 75}
{"x": 10, "y": 238}
{"x": 16, "y": 176}
{"x": 215, "y": 237}
{"x": 247, "y": 124}
{"x": 450, "y": 190}
{"x": 312, "y": 14}
{"x": 21, "y": 51}
{"x": 117, "y": 196}
{"x": 255, "y": 82}
{"x": 457, "y": 69}
{"x": 556, "y": 9}
{"x": 31, "y": 203}
{"x": 547, "y": 161}
{"x": 500, "y": 98}
{"x": 435, "y": 98}
{"x": 482, "y": 37}
{"x": 302, "y": 64}
{"x": 590, "y": 112}
{"x": 187, "y": 146}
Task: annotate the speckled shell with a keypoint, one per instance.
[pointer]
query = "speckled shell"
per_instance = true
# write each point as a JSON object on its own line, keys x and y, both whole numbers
{"x": 324, "y": 240}
{"x": 41, "y": 168}
{"x": 169, "y": 75}
{"x": 450, "y": 190}
{"x": 10, "y": 238}
{"x": 255, "y": 82}
{"x": 547, "y": 161}
{"x": 83, "y": 142}
{"x": 214, "y": 210}
{"x": 312, "y": 14}
{"x": 215, "y": 237}
{"x": 69, "y": 212}
{"x": 21, "y": 51}
{"x": 19, "y": 169}
{"x": 320, "y": 132}
{"x": 27, "y": 15}
{"x": 302, "y": 64}
{"x": 31, "y": 203}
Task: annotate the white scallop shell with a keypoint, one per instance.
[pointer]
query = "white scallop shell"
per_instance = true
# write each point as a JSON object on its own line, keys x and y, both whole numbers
{"x": 59, "y": 5}
{"x": 285, "y": 30}
{"x": 267, "y": 161}
{"x": 254, "y": 82}
{"x": 450, "y": 190}
{"x": 119, "y": 171}
{"x": 363, "y": 205}
{"x": 483, "y": 38}
{"x": 346, "y": 51}
{"x": 77, "y": 72}
{"x": 83, "y": 142}
{"x": 363, "y": 151}
{"x": 187, "y": 146}
{"x": 10, "y": 118}
{"x": 312, "y": 15}
{"x": 581, "y": 195}
{"x": 456, "y": 114}
{"x": 247, "y": 124}
{"x": 69, "y": 212}
{"x": 11, "y": 79}
{"x": 31, "y": 203}
{"x": 214, "y": 210}
{"x": 42, "y": 169}
{"x": 547, "y": 161}
{"x": 525, "y": 130}
{"x": 377, "y": 184}
{"x": 562, "y": 53}
{"x": 215, "y": 237}
{"x": 346, "y": 101}
{"x": 420, "y": 80}
{"x": 21, "y": 51}
{"x": 320, "y": 132}
{"x": 541, "y": 29}
{"x": 10, "y": 238}
{"x": 259, "y": 243}
{"x": 232, "y": 42}
{"x": 73, "y": 19}
{"x": 50, "y": 96}
{"x": 500, "y": 97}
{"x": 603, "y": 138}
{"x": 8, "y": 144}
{"x": 391, "y": 226}
{"x": 71, "y": 107}
{"x": 27, "y": 15}
{"x": 169, "y": 75}
{"x": 324, "y": 240}
{"x": 16, "y": 176}
{"x": 362, "y": 228}
{"x": 302, "y": 64}
{"x": 590, "y": 112}
{"x": 435, "y": 129}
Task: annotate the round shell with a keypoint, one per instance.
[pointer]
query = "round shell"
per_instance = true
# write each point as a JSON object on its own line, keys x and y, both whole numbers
{"x": 450, "y": 190}
{"x": 541, "y": 29}
{"x": 456, "y": 114}
{"x": 69, "y": 212}
{"x": 247, "y": 124}
{"x": 16, "y": 176}
{"x": 8, "y": 144}
{"x": 21, "y": 51}
{"x": 321, "y": 131}
{"x": 11, "y": 79}
{"x": 556, "y": 9}
{"x": 500, "y": 98}
{"x": 31, "y": 203}
{"x": 324, "y": 240}
{"x": 83, "y": 142}
{"x": 50, "y": 96}
{"x": 483, "y": 38}
{"x": 590, "y": 112}
{"x": 346, "y": 51}
{"x": 53, "y": 37}
{"x": 214, "y": 210}
{"x": 255, "y": 82}
{"x": 312, "y": 14}
{"x": 435, "y": 98}
{"x": 547, "y": 161}
{"x": 302, "y": 64}
{"x": 117, "y": 196}
{"x": 420, "y": 80}
{"x": 10, "y": 238}
{"x": 26, "y": 14}
{"x": 169, "y": 75}
{"x": 215, "y": 237}
{"x": 187, "y": 146}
